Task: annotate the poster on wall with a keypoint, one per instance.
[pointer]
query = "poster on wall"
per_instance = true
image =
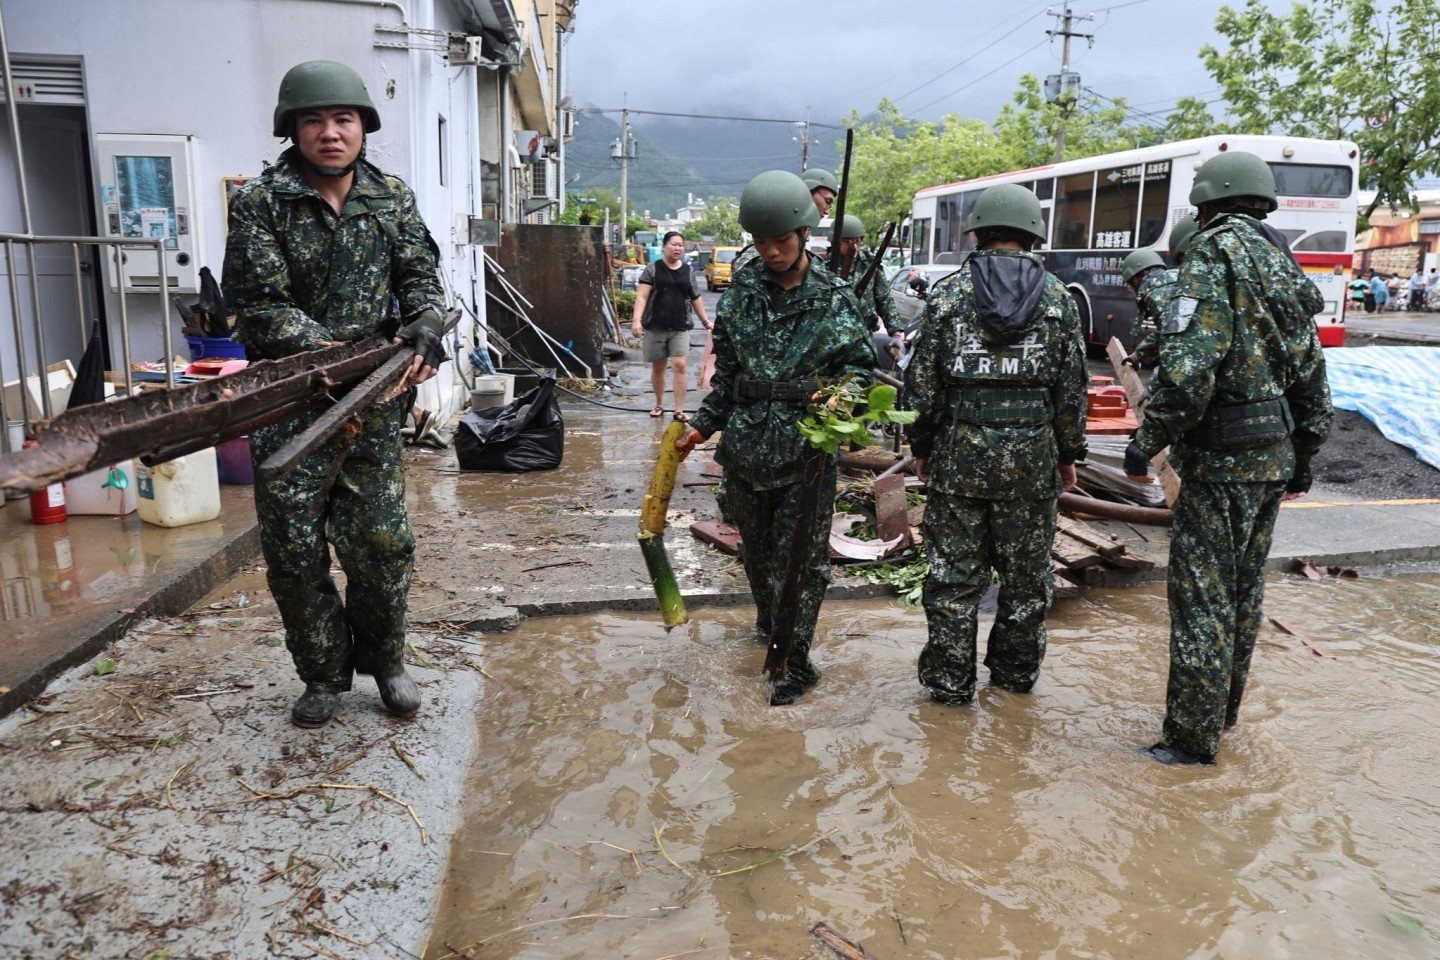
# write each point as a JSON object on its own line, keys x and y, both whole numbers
{"x": 146, "y": 194}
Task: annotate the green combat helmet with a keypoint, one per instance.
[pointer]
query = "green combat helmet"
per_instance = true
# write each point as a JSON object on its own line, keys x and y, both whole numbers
{"x": 322, "y": 83}
{"x": 851, "y": 228}
{"x": 1007, "y": 205}
{"x": 1232, "y": 175}
{"x": 776, "y": 202}
{"x": 1180, "y": 235}
{"x": 816, "y": 177}
{"x": 1138, "y": 262}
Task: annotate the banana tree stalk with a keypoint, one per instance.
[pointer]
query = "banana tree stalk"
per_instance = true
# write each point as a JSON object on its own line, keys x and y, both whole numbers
{"x": 652, "y": 528}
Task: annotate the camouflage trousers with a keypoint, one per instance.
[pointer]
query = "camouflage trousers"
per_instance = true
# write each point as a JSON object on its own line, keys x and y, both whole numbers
{"x": 766, "y": 520}
{"x": 965, "y": 539}
{"x": 359, "y": 508}
{"x": 1216, "y": 588}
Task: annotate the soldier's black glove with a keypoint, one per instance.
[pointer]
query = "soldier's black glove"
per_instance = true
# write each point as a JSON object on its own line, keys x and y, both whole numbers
{"x": 426, "y": 334}
{"x": 1137, "y": 464}
{"x": 1300, "y": 481}
{"x": 1132, "y": 361}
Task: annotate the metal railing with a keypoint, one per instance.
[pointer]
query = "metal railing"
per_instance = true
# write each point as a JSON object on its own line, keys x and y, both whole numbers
{"x": 23, "y": 357}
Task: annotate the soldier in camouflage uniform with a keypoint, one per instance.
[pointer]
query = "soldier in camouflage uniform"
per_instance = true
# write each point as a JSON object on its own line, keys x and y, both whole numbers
{"x": 1153, "y": 292}
{"x": 785, "y": 325}
{"x": 999, "y": 381}
{"x": 877, "y": 306}
{"x": 1241, "y": 400}
{"x": 824, "y": 188}
{"x": 317, "y": 245}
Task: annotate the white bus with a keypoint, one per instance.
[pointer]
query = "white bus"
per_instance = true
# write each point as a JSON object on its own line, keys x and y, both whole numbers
{"x": 1099, "y": 209}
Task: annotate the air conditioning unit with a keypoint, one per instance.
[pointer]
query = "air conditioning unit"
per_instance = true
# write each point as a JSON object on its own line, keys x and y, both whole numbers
{"x": 466, "y": 51}
{"x": 542, "y": 179}
{"x": 567, "y": 124}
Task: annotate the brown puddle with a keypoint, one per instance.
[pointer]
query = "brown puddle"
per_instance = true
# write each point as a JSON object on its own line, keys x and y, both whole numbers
{"x": 622, "y": 772}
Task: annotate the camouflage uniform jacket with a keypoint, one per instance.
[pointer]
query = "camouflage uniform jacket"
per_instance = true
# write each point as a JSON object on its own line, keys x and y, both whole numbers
{"x": 1239, "y": 329}
{"x": 1157, "y": 289}
{"x": 877, "y": 306}
{"x": 1006, "y": 454}
{"x": 747, "y": 254}
{"x": 297, "y": 274}
{"x": 811, "y": 333}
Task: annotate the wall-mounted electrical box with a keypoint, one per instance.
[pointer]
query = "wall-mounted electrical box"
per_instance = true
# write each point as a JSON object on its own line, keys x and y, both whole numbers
{"x": 147, "y": 190}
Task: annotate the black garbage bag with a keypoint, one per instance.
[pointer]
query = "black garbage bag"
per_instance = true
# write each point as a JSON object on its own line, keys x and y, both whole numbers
{"x": 527, "y": 433}
{"x": 90, "y": 378}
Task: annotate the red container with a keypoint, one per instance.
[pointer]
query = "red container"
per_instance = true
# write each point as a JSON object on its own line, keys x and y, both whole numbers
{"x": 48, "y": 505}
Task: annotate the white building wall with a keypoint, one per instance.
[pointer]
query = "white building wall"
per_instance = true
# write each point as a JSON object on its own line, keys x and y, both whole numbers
{"x": 212, "y": 69}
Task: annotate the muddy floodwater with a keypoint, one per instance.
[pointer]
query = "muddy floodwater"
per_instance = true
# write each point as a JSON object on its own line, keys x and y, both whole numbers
{"x": 634, "y": 796}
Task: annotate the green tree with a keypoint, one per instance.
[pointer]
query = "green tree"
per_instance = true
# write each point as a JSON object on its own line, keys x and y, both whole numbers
{"x": 721, "y": 222}
{"x": 1362, "y": 70}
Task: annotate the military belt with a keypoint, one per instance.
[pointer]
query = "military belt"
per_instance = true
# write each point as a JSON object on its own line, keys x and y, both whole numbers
{"x": 1238, "y": 425}
{"x": 1001, "y": 407}
{"x": 750, "y": 390}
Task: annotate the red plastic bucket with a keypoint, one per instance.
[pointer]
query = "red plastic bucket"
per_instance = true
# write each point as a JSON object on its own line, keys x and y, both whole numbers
{"x": 48, "y": 505}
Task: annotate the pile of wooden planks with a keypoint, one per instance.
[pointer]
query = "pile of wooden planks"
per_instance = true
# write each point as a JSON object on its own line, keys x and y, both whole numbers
{"x": 1081, "y": 556}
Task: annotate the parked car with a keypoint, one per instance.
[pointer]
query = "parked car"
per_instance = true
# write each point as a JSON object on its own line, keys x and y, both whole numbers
{"x": 717, "y": 271}
{"x": 909, "y": 286}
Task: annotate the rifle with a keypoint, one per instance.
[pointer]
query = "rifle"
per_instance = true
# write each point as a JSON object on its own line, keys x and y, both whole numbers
{"x": 166, "y": 424}
{"x": 797, "y": 569}
{"x": 875, "y": 264}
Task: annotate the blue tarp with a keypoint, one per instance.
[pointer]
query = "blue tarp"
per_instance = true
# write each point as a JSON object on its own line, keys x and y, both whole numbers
{"x": 1395, "y": 388}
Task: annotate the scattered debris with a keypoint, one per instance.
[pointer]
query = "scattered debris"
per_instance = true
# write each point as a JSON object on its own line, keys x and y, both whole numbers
{"x": 1286, "y": 628}
{"x": 840, "y": 946}
{"x": 1309, "y": 570}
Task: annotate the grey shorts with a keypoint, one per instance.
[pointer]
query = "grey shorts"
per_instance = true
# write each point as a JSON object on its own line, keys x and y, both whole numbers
{"x": 660, "y": 344}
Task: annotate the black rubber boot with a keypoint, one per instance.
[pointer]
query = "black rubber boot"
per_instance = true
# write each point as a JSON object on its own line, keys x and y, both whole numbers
{"x": 1169, "y": 755}
{"x": 314, "y": 708}
{"x": 400, "y": 693}
{"x": 786, "y": 691}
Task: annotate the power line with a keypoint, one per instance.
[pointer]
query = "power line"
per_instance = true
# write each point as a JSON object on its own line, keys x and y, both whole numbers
{"x": 984, "y": 49}
{"x": 707, "y": 116}
{"x": 981, "y": 77}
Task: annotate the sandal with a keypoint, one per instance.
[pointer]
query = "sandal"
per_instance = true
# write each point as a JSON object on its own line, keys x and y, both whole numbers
{"x": 682, "y": 416}
{"x": 422, "y": 426}
{"x": 655, "y": 412}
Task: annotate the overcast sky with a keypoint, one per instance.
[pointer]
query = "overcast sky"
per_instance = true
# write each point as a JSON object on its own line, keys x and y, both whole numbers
{"x": 776, "y": 58}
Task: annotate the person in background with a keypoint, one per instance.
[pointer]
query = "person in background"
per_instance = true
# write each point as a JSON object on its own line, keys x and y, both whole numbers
{"x": 664, "y": 300}
{"x": 317, "y": 244}
{"x": 999, "y": 381}
{"x": 1241, "y": 400}
{"x": 1153, "y": 293}
{"x": 785, "y": 325}
{"x": 1417, "y": 291}
{"x": 1379, "y": 293}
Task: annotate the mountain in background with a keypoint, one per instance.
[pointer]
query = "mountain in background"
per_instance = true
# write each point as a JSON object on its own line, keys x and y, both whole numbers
{"x": 680, "y": 157}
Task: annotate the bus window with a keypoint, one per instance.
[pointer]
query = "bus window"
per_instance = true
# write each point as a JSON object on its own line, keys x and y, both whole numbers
{"x": 920, "y": 240}
{"x": 1072, "y": 212}
{"x": 1045, "y": 217}
{"x": 1044, "y": 189}
{"x": 1154, "y": 203}
{"x": 1311, "y": 180}
{"x": 1117, "y": 200}
{"x": 951, "y": 214}
{"x": 1326, "y": 241}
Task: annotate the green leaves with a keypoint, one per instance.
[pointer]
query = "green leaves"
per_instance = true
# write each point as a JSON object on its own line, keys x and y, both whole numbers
{"x": 103, "y": 668}
{"x": 842, "y": 413}
{"x": 1405, "y": 924}
{"x": 1358, "y": 70}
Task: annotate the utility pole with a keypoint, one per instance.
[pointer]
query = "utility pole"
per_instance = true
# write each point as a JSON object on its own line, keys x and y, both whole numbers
{"x": 804, "y": 140}
{"x": 624, "y": 156}
{"x": 1061, "y": 90}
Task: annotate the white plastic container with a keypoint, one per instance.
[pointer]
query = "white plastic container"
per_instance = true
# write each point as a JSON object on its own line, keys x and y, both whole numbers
{"x": 503, "y": 383}
{"x": 99, "y": 494}
{"x": 180, "y": 491}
